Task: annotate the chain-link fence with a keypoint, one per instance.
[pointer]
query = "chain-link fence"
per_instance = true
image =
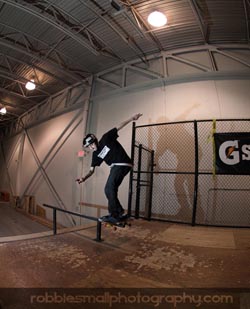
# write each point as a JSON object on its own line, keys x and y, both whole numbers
{"x": 173, "y": 177}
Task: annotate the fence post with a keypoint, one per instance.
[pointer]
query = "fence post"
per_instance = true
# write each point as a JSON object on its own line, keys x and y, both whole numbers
{"x": 131, "y": 173}
{"x": 196, "y": 172}
{"x": 138, "y": 184}
{"x": 151, "y": 185}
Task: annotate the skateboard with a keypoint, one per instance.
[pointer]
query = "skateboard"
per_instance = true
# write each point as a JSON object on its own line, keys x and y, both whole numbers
{"x": 126, "y": 221}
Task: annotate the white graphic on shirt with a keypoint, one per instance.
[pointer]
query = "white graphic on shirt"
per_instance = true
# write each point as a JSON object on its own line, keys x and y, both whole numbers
{"x": 104, "y": 152}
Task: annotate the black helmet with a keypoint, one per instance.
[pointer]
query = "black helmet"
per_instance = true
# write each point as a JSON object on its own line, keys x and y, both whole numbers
{"x": 89, "y": 139}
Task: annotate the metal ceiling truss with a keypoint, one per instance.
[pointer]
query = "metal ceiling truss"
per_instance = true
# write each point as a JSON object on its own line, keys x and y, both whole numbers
{"x": 198, "y": 15}
{"x": 135, "y": 20}
{"x": 204, "y": 72}
{"x": 18, "y": 95}
{"x": 16, "y": 106}
{"x": 36, "y": 49}
{"x": 57, "y": 18}
{"x": 69, "y": 99}
{"x": 81, "y": 32}
{"x": 5, "y": 119}
{"x": 17, "y": 85}
{"x": 42, "y": 50}
{"x": 140, "y": 25}
{"x": 66, "y": 23}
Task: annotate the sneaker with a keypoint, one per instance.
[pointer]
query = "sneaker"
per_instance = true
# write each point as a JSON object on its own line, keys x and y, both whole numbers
{"x": 112, "y": 220}
{"x": 108, "y": 218}
{"x": 104, "y": 218}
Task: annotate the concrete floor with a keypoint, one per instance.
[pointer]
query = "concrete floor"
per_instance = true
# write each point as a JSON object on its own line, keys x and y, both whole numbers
{"x": 145, "y": 255}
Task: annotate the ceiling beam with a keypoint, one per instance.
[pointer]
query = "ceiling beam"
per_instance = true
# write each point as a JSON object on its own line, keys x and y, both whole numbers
{"x": 28, "y": 7}
{"x": 21, "y": 81}
{"x": 10, "y": 41}
{"x": 3, "y": 102}
{"x": 35, "y": 55}
{"x": 124, "y": 35}
{"x": 142, "y": 23}
{"x": 198, "y": 15}
{"x": 33, "y": 67}
{"x": 18, "y": 95}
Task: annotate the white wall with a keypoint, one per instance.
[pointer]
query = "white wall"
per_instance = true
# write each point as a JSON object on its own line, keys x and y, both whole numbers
{"x": 186, "y": 101}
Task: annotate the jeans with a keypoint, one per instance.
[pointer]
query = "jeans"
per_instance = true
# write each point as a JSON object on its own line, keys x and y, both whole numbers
{"x": 116, "y": 176}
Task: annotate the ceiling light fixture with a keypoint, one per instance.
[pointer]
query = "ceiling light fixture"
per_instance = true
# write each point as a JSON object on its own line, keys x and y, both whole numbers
{"x": 157, "y": 19}
{"x": 30, "y": 85}
{"x": 3, "y": 111}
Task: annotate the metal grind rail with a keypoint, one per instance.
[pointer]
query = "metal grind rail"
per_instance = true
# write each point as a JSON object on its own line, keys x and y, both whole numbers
{"x": 55, "y": 209}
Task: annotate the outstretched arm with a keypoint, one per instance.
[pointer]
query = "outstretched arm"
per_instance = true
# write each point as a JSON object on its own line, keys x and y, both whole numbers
{"x": 90, "y": 173}
{"x": 124, "y": 123}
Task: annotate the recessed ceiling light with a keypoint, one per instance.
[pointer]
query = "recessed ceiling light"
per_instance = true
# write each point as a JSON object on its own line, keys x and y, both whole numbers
{"x": 157, "y": 19}
{"x": 30, "y": 85}
{"x": 3, "y": 111}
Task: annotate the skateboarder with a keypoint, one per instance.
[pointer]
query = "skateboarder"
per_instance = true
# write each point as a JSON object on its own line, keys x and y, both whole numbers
{"x": 109, "y": 150}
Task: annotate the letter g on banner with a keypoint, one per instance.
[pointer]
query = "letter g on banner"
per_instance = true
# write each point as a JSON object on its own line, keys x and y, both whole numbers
{"x": 229, "y": 153}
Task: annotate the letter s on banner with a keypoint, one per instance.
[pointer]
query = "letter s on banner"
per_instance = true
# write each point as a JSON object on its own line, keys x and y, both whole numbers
{"x": 246, "y": 152}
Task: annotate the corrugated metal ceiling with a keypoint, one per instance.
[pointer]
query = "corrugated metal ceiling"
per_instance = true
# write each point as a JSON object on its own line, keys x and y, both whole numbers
{"x": 62, "y": 42}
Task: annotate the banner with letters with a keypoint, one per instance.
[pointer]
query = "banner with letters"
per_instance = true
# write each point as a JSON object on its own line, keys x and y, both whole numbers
{"x": 232, "y": 153}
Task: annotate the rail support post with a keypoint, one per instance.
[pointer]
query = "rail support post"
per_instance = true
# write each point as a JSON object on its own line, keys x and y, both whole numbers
{"x": 98, "y": 231}
{"x": 54, "y": 222}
